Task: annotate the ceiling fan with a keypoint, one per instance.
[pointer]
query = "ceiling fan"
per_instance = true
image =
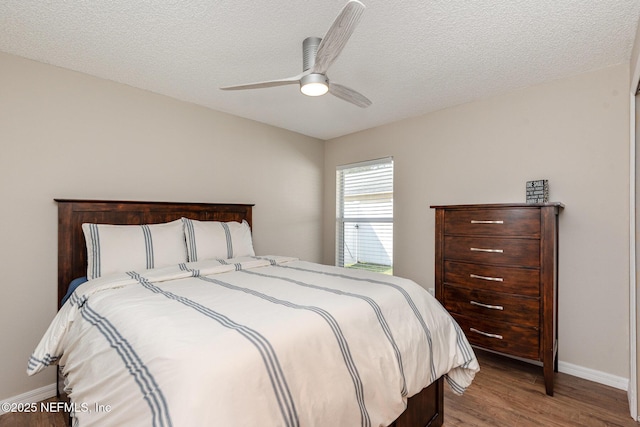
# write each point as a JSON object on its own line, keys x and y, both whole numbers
{"x": 318, "y": 55}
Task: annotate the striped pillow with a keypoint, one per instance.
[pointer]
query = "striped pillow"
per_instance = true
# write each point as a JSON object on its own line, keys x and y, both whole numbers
{"x": 217, "y": 240}
{"x": 120, "y": 248}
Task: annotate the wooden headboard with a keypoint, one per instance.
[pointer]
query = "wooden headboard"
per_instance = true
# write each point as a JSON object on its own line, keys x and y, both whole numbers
{"x": 72, "y": 250}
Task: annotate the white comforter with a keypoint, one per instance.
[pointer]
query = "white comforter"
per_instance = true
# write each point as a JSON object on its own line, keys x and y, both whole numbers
{"x": 255, "y": 341}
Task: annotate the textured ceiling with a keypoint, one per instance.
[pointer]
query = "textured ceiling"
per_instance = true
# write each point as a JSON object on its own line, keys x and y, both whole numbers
{"x": 409, "y": 57}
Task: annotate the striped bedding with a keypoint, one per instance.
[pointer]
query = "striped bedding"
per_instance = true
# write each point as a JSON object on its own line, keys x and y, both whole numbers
{"x": 251, "y": 341}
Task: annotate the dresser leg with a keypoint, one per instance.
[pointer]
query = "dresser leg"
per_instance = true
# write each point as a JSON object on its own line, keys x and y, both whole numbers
{"x": 548, "y": 370}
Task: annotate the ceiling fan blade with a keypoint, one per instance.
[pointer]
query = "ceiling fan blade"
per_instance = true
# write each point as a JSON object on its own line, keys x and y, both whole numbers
{"x": 337, "y": 36}
{"x": 268, "y": 83}
{"x": 349, "y": 95}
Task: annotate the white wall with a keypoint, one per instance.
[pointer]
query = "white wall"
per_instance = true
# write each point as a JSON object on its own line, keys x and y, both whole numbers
{"x": 634, "y": 302}
{"x": 573, "y": 132}
{"x": 68, "y": 135}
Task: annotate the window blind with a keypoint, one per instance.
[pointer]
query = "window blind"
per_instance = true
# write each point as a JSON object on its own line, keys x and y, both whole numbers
{"x": 364, "y": 215}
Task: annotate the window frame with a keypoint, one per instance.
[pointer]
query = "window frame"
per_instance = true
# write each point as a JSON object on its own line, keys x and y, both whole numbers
{"x": 340, "y": 207}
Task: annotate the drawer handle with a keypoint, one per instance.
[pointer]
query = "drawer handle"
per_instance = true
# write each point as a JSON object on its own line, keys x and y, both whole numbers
{"x": 492, "y": 307}
{"x": 475, "y": 221}
{"x": 494, "y": 279}
{"x": 486, "y": 334}
{"x": 498, "y": 251}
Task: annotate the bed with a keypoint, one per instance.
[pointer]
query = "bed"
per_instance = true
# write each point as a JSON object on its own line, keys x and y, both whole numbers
{"x": 157, "y": 368}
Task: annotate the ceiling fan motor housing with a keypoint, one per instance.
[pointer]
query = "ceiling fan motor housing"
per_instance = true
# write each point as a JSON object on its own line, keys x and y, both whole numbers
{"x": 313, "y": 84}
{"x": 309, "y": 51}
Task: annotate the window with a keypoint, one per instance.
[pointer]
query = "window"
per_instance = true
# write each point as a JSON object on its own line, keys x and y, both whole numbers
{"x": 364, "y": 215}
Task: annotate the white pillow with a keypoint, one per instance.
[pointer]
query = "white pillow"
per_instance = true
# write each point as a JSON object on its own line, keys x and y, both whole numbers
{"x": 217, "y": 240}
{"x": 121, "y": 248}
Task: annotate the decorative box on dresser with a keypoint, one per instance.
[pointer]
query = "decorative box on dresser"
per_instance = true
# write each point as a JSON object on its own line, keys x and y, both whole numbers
{"x": 496, "y": 272}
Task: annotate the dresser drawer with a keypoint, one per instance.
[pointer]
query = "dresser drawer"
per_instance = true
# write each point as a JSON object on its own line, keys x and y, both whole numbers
{"x": 511, "y": 280}
{"x": 493, "y": 306}
{"x": 493, "y": 250}
{"x": 493, "y": 222}
{"x": 516, "y": 340}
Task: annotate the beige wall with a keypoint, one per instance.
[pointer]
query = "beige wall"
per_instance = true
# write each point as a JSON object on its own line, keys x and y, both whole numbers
{"x": 573, "y": 132}
{"x": 69, "y": 135}
{"x": 65, "y": 134}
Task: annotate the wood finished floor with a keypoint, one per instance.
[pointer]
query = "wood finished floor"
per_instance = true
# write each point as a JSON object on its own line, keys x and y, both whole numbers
{"x": 505, "y": 393}
{"x": 511, "y": 393}
{"x": 35, "y": 419}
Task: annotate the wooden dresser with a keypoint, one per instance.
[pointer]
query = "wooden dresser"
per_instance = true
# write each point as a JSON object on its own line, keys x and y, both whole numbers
{"x": 496, "y": 273}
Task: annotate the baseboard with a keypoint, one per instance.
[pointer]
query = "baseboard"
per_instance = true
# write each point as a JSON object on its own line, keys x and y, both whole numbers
{"x": 631, "y": 397}
{"x": 581, "y": 372}
{"x": 593, "y": 375}
{"x": 33, "y": 396}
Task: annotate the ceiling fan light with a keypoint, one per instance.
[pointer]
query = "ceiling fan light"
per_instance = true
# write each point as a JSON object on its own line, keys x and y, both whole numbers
{"x": 314, "y": 85}
{"x": 314, "y": 89}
